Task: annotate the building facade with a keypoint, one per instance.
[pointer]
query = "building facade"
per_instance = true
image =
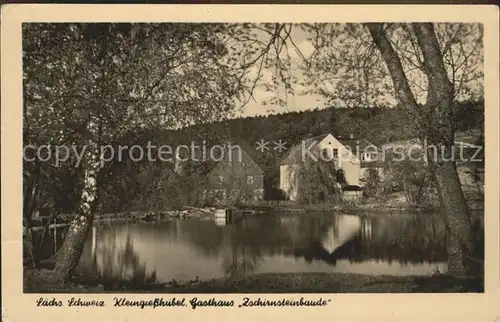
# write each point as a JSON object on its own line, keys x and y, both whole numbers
{"x": 350, "y": 160}
{"x": 234, "y": 179}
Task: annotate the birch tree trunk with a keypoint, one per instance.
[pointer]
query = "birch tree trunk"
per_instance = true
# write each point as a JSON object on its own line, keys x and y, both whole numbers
{"x": 435, "y": 125}
{"x": 69, "y": 254}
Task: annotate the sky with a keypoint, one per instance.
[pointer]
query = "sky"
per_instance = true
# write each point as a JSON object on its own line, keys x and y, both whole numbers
{"x": 294, "y": 103}
{"x": 300, "y": 102}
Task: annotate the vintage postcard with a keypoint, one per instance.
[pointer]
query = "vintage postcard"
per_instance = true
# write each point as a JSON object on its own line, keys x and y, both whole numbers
{"x": 251, "y": 162}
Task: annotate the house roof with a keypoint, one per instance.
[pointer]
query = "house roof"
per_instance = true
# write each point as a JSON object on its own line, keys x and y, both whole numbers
{"x": 295, "y": 153}
{"x": 352, "y": 188}
{"x": 372, "y": 164}
{"x": 466, "y": 145}
{"x": 236, "y": 160}
{"x": 320, "y": 138}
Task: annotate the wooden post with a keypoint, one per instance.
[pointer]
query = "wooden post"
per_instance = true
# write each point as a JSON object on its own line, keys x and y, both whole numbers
{"x": 94, "y": 240}
{"x": 55, "y": 235}
{"x": 229, "y": 216}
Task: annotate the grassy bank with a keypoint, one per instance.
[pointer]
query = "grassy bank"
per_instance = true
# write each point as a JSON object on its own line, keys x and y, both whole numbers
{"x": 44, "y": 282}
{"x": 372, "y": 207}
{"x": 392, "y": 204}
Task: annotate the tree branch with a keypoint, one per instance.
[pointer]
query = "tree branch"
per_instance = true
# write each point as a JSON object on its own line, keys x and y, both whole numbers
{"x": 400, "y": 82}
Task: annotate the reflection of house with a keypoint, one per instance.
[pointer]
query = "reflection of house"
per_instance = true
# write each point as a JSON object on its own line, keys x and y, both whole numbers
{"x": 235, "y": 178}
{"x": 384, "y": 238}
{"x": 350, "y": 157}
{"x": 344, "y": 229}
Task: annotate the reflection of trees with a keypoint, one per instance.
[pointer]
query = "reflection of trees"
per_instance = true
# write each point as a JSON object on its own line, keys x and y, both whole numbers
{"x": 401, "y": 238}
{"x": 243, "y": 245}
{"x": 50, "y": 244}
{"x": 240, "y": 258}
{"x": 118, "y": 261}
{"x": 207, "y": 238}
{"x": 413, "y": 239}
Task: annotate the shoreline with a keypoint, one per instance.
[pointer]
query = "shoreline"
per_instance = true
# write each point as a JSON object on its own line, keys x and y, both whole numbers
{"x": 42, "y": 281}
{"x": 248, "y": 210}
{"x": 375, "y": 208}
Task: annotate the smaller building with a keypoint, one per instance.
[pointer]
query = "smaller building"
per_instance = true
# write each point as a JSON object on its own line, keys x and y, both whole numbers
{"x": 352, "y": 193}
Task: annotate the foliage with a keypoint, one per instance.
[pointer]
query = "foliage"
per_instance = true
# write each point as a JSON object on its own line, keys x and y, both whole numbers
{"x": 131, "y": 76}
{"x": 89, "y": 85}
{"x": 107, "y": 83}
{"x": 340, "y": 61}
{"x": 316, "y": 181}
{"x": 408, "y": 173}
{"x": 372, "y": 183}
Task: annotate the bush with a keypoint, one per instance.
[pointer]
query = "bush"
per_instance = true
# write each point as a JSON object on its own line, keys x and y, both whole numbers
{"x": 372, "y": 183}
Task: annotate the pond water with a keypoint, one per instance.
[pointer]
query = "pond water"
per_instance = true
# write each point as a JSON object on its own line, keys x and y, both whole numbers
{"x": 392, "y": 244}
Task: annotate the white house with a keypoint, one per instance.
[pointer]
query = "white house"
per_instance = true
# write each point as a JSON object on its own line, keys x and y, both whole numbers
{"x": 352, "y": 157}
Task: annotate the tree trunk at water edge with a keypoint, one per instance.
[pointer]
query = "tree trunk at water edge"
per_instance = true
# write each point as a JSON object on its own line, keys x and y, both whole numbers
{"x": 460, "y": 237}
{"x": 434, "y": 122}
{"x": 68, "y": 256}
{"x": 438, "y": 116}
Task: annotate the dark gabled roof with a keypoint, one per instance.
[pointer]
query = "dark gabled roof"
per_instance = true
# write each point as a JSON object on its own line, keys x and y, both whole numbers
{"x": 249, "y": 149}
{"x": 320, "y": 138}
{"x": 236, "y": 160}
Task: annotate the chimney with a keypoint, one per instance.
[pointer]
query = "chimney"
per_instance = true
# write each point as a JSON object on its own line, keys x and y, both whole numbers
{"x": 351, "y": 136}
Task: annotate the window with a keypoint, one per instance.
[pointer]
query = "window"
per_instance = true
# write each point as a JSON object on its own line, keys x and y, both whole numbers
{"x": 220, "y": 179}
{"x": 335, "y": 153}
{"x": 249, "y": 179}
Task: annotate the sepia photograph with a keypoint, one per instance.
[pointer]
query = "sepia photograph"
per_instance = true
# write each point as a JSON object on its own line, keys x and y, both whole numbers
{"x": 255, "y": 162}
{"x": 253, "y": 157}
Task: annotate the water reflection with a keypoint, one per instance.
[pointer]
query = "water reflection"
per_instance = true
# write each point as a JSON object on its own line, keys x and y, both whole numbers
{"x": 404, "y": 239}
{"x": 112, "y": 257}
{"x": 344, "y": 228}
{"x": 239, "y": 258}
{"x": 184, "y": 249}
